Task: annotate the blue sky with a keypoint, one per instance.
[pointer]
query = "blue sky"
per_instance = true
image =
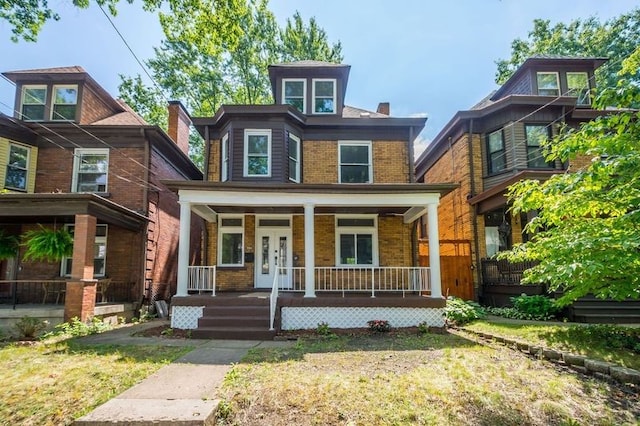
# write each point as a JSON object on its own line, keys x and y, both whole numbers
{"x": 424, "y": 57}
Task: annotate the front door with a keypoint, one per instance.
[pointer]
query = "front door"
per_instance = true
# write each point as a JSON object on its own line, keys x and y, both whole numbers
{"x": 273, "y": 252}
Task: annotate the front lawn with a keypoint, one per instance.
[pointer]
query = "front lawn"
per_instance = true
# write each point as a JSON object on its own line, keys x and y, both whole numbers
{"x": 53, "y": 384}
{"x": 602, "y": 342}
{"x": 409, "y": 379}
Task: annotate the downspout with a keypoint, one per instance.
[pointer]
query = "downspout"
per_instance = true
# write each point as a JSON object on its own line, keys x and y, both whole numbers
{"x": 146, "y": 291}
{"x": 475, "y": 210}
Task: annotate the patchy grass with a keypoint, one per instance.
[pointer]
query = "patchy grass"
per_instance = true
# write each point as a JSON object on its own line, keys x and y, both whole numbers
{"x": 55, "y": 383}
{"x": 570, "y": 338}
{"x": 407, "y": 380}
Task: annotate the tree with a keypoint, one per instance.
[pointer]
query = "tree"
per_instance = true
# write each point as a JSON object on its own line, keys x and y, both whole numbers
{"x": 586, "y": 236}
{"x": 217, "y": 53}
{"x": 615, "y": 39}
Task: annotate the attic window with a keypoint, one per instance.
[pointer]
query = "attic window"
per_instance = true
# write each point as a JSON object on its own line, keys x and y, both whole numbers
{"x": 324, "y": 96}
{"x": 293, "y": 93}
{"x": 33, "y": 102}
{"x": 578, "y": 85}
{"x": 548, "y": 84}
{"x": 65, "y": 99}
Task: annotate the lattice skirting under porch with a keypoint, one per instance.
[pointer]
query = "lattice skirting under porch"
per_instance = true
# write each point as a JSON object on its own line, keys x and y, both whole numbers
{"x": 186, "y": 317}
{"x": 294, "y": 318}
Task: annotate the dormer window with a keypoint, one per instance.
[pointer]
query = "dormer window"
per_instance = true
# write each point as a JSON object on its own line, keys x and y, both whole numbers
{"x": 33, "y": 102}
{"x": 293, "y": 92}
{"x": 578, "y": 85}
{"x": 548, "y": 84}
{"x": 324, "y": 96}
{"x": 65, "y": 100}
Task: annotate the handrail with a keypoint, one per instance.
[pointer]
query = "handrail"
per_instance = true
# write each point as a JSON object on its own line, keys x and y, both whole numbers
{"x": 273, "y": 299}
{"x": 202, "y": 278}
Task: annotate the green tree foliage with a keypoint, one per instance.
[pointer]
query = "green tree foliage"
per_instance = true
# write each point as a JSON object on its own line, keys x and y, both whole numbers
{"x": 587, "y": 232}
{"x": 615, "y": 39}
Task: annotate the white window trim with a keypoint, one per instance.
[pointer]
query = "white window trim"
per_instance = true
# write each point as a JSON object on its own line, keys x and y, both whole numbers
{"x": 304, "y": 91}
{"x": 557, "y": 81}
{"x": 76, "y": 166}
{"x": 53, "y": 100}
{"x": 256, "y": 132}
{"x": 26, "y": 169}
{"x": 353, "y": 143}
{"x": 98, "y": 239}
{"x": 230, "y": 230}
{"x": 586, "y": 74}
{"x": 224, "y": 173}
{"x": 33, "y": 86}
{"x": 313, "y": 95}
{"x": 296, "y": 139}
{"x": 351, "y": 230}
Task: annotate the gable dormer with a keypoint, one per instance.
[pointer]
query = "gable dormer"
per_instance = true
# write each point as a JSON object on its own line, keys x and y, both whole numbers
{"x": 555, "y": 77}
{"x": 62, "y": 94}
{"x": 313, "y": 87}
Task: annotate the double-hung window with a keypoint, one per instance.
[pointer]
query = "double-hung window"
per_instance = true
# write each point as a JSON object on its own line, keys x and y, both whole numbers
{"x": 294, "y": 158}
{"x": 34, "y": 98}
{"x": 548, "y": 84}
{"x": 536, "y": 135}
{"x": 224, "y": 172}
{"x": 578, "y": 85}
{"x": 496, "y": 152}
{"x": 99, "y": 253}
{"x": 230, "y": 241}
{"x": 294, "y": 92}
{"x": 356, "y": 240}
{"x": 90, "y": 170}
{"x": 17, "y": 168}
{"x": 324, "y": 96}
{"x": 257, "y": 153}
{"x": 355, "y": 162}
{"x": 65, "y": 100}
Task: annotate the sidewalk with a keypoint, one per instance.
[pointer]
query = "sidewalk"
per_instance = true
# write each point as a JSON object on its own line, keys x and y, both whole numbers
{"x": 184, "y": 392}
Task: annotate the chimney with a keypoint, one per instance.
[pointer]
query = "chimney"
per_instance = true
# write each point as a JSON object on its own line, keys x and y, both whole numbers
{"x": 179, "y": 123}
{"x": 383, "y": 108}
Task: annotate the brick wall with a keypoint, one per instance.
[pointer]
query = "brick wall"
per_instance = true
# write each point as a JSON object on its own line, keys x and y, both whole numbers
{"x": 320, "y": 161}
{"x": 394, "y": 242}
{"x": 580, "y": 162}
{"x": 214, "y": 161}
{"x": 390, "y": 162}
{"x": 93, "y": 108}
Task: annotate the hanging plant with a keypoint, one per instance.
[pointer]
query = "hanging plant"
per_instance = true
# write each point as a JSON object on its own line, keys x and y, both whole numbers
{"x": 8, "y": 245}
{"x": 47, "y": 244}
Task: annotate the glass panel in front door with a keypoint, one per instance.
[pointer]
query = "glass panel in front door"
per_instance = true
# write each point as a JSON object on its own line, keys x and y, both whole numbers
{"x": 265, "y": 255}
{"x": 282, "y": 255}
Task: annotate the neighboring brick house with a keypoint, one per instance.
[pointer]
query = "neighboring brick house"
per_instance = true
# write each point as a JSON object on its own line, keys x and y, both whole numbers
{"x": 491, "y": 146}
{"x": 75, "y": 157}
{"x": 314, "y": 198}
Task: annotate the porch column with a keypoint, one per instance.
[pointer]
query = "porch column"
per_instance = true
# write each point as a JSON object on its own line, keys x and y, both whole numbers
{"x": 183, "y": 248}
{"x": 434, "y": 250}
{"x": 80, "y": 298}
{"x": 309, "y": 251}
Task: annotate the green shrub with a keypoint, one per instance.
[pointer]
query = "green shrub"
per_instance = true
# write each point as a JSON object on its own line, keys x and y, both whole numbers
{"x": 77, "y": 328}
{"x": 29, "y": 327}
{"x": 323, "y": 329}
{"x": 423, "y": 328}
{"x": 379, "y": 326}
{"x": 536, "y": 307}
{"x": 459, "y": 312}
{"x": 607, "y": 335}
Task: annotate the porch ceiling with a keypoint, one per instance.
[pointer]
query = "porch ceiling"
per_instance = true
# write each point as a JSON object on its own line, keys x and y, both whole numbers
{"x": 30, "y": 208}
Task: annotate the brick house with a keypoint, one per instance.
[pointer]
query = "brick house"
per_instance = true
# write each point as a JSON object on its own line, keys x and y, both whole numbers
{"x": 312, "y": 201}
{"x": 486, "y": 149}
{"x": 75, "y": 157}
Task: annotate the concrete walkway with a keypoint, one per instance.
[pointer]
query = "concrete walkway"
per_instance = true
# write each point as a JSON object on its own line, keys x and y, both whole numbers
{"x": 181, "y": 393}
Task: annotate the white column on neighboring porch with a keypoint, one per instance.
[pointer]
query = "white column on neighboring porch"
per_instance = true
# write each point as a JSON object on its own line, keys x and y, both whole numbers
{"x": 434, "y": 250}
{"x": 309, "y": 251}
{"x": 183, "y": 248}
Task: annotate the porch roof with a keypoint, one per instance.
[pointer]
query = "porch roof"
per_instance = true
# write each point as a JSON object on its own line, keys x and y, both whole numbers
{"x": 407, "y": 199}
{"x": 21, "y": 208}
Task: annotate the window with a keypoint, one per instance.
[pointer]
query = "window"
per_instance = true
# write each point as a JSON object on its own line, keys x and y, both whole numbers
{"x": 324, "y": 96}
{"x": 496, "y": 152}
{"x": 294, "y": 158}
{"x": 90, "y": 170}
{"x": 548, "y": 84}
{"x": 16, "y": 177}
{"x": 257, "y": 153}
{"x": 231, "y": 241}
{"x": 99, "y": 253}
{"x": 536, "y": 135}
{"x": 293, "y": 93}
{"x": 33, "y": 102}
{"x": 65, "y": 99}
{"x": 355, "y": 162}
{"x": 356, "y": 240}
{"x": 578, "y": 85}
{"x": 224, "y": 172}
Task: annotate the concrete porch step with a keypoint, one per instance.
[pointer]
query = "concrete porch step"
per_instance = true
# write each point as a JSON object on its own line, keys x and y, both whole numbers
{"x": 235, "y": 333}
{"x": 235, "y": 310}
{"x": 231, "y": 321}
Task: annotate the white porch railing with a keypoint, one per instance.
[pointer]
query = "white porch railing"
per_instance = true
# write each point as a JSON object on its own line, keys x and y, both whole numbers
{"x": 273, "y": 298}
{"x": 202, "y": 279}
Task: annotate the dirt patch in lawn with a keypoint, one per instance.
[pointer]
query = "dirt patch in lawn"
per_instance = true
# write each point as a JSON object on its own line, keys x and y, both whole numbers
{"x": 165, "y": 332}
